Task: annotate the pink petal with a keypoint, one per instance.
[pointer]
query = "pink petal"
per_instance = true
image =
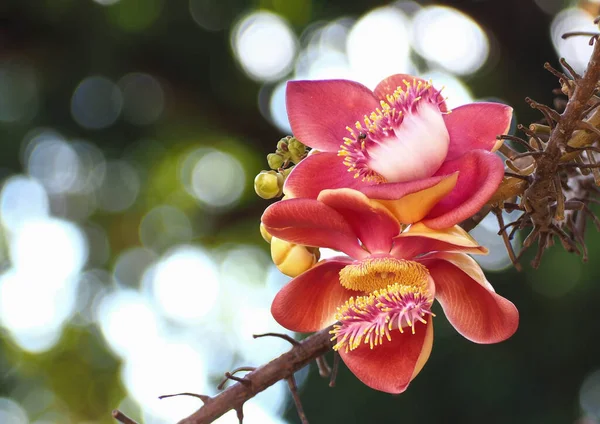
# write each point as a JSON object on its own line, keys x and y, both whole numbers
{"x": 480, "y": 174}
{"x": 420, "y": 239}
{"x": 411, "y": 201}
{"x": 390, "y": 367}
{"x": 391, "y": 83}
{"x": 318, "y": 172}
{"x": 309, "y": 302}
{"x": 311, "y": 223}
{"x": 320, "y": 111}
{"x": 371, "y": 221}
{"x": 475, "y": 126}
{"x": 469, "y": 301}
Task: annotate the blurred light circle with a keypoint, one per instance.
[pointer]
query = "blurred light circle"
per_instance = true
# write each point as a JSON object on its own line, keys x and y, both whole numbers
{"x": 93, "y": 285}
{"x": 453, "y": 89}
{"x": 49, "y": 247}
{"x": 143, "y": 98}
{"x": 334, "y": 35}
{"x": 550, "y": 7}
{"x": 277, "y": 109}
{"x": 575, "y": 52}
{"x": 22, "y": 199}
{"x": 247, "y": 264}
{"x": 558, "y": 275}
{"x": 135, "y": 15}
{"x": 131, "y": 265}
{"x": 450, "y": 38}
{"x": 96, "y": 103}
{"x": 165, "y": 226}
{"x": 53, "y": 162}
{"x": 34, "y": 305}
{"x": 378, "y": 45}
{"x": 215, "y": 178}
{"x": 589, "y": 395}
{"x": 106, "y": 2}
{"x": 18, "y": 92}
{"x": 213, "y": 15}
{"x": 330, "y": 64}
{"x": 12, "y": 413}
{"x": 174, "y": 366}
{"x": 265, "y": 45}
{"x": 185, "y": 284}
{"x": 92, "y": 167}
{"x": 128, "y": 322}
{"x": 120, "y": 185}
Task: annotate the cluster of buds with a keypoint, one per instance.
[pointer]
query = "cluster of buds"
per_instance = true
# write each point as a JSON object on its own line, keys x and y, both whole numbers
{"x": 268, "y": 184}
{"x": 557, "y": 177}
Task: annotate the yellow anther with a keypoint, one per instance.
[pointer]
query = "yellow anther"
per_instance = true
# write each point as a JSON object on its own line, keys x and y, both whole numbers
{"x": 377, "y": 273}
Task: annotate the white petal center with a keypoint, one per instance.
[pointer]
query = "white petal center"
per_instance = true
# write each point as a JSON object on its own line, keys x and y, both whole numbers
{"x": 417, "y": 148}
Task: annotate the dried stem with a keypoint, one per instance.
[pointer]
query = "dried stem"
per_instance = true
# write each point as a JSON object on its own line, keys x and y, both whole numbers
{"x": 122, "y": 418}
{"x": 262, "y": 378}
{"x": 294, "y": 390}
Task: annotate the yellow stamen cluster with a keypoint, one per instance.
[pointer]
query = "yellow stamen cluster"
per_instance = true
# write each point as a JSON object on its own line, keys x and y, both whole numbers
{"x": 373, "y": 274}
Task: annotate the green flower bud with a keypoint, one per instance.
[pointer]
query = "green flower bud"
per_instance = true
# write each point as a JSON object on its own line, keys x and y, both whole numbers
{"x": 268, "y": 184}
{"x": 282, "y": 145}
{"x": 297, "y": 150}
{"x": 275, "y": 160}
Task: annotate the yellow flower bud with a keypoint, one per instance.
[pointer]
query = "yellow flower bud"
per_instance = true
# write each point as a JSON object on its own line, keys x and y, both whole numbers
{"x": 275, "y": 160}
{"x": 282, "y": 145}
{"x": 265, "y": 234}
{"x": 293, "y": 259}
{"x": 268, "y": 184}
{"x": 297, "y": 150}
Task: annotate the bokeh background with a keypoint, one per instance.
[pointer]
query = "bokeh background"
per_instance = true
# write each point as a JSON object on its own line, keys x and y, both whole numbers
{"x": 131, "y": 264}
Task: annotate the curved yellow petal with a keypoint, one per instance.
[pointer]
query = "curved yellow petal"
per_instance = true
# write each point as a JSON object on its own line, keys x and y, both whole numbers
{"x": 415, "y": 206}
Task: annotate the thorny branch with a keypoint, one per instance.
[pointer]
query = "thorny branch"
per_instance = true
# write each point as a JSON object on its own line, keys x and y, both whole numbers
{"x": 552, "y": 183}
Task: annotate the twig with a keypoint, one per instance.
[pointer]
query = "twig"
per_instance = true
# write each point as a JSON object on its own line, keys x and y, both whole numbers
{"x": 121, "y": 417}
{"x": 262, "y": 378}
{"x": 279, "y": 335}
{"x": 336, "y": 366}
{"x": 231, "y": 376}
{"x": 294, "y": 390}
{"x": 507, "y": 243}
{"x": 203, "y": 398}
{"x": 324, "y": 370}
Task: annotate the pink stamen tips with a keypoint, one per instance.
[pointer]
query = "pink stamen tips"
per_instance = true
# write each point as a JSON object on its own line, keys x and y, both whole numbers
{"x": 368, "y": 319}
{"x": 380, "y": 126}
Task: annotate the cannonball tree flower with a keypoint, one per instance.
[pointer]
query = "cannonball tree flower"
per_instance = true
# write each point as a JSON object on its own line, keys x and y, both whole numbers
{"x": 384, "y": 141}
{"x": 380, "y": 294}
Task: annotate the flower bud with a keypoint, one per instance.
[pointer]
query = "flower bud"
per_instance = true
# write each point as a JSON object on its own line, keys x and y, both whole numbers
{"x": 287, "y": 171}
{"x": 275, "y": 160}
{"x": 293, "y": 259}
{"x": 265, "y": 234}
{"x": 268, "y": 184}
{"x": 282, "y": 145}
{"x": 297, "y": 150}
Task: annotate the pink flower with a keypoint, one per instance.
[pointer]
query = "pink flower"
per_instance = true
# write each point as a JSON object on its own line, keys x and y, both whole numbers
{"x": 395, "y": 141}
{"x": 381, "y": 292}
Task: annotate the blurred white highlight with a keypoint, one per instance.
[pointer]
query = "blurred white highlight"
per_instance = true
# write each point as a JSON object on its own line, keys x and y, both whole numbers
{"x": 449, "y": 38}
{"x": 264, "y": 45}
